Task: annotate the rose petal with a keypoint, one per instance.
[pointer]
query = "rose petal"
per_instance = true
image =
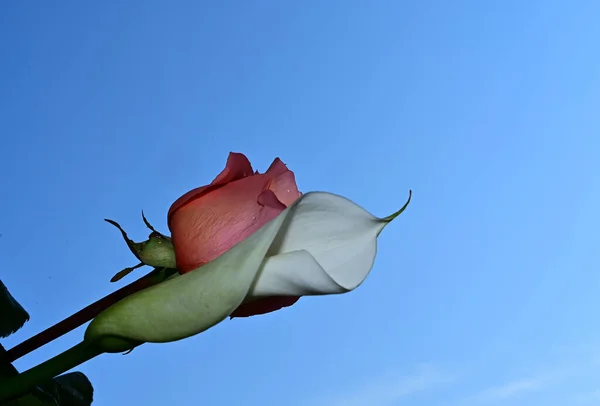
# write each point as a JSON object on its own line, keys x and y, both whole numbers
{"x": 205, "y": 228}
{"x": 268, "y": 198}
{"x": 237, "y": 167}
{"x": 263, "y": 306}
{"x": 284, "y": 187}
{"x": 277, "y": 168}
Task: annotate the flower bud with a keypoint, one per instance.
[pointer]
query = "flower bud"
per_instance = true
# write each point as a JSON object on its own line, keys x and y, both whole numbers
{"x": 157, "y": 251}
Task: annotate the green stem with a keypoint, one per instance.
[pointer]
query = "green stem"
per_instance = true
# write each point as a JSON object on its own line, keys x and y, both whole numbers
{"x": 84, "y": 315}
{"x": 24, "y": 383}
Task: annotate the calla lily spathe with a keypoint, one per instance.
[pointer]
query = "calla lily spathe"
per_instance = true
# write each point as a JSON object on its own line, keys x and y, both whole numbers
{"x": 321, "y": 244}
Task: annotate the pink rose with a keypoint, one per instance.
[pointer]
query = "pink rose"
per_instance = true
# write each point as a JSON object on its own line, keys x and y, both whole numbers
{"x": 211, "y": 219}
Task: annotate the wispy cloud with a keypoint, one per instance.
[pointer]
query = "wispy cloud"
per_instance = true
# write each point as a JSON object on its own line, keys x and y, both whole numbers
{"x": 387, "y": 389}
{"x": 554, "y": 377}
{"x": 566, "y": 377}
{"x": 509, "y": 390}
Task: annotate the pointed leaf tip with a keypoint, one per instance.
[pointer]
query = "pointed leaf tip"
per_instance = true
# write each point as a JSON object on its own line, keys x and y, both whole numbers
{"x": 399, "y": 212}
{"x": 121, "y": 274}
{"x": 12, "y": 315}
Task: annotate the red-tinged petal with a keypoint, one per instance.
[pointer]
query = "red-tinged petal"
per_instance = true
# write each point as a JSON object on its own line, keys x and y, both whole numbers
{"x": 263, "y": 306}
{"x": 284, "y": 187}
{"x": 205, "y": 228}
{"x": 236, "y": 168}
{"x": 277, "y": 168}
{"x": 269, "y": 199}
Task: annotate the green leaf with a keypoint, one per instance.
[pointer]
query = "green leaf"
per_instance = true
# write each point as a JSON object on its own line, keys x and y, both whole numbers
{"x": 72, "y": 389}
{"x": 13, "y": 315}
{"x": 7, "y": 370}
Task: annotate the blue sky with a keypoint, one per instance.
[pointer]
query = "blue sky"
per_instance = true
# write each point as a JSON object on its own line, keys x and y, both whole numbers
{"x": 485, "y": 292}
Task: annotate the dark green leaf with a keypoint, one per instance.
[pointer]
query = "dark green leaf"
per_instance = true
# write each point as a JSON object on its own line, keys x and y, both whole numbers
{"x": 7, "y": 370}
{"x": 72, "y": 389}
{"x": 13, "y": 315}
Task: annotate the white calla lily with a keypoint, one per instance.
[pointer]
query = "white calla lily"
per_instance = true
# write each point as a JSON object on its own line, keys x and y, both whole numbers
{"x": 322, "y": 244}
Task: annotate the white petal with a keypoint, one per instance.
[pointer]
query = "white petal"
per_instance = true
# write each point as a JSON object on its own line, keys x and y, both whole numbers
{"x": 322, "y": 244}
{"x": 326, "y": 246}
{"x": 191, "y": 303}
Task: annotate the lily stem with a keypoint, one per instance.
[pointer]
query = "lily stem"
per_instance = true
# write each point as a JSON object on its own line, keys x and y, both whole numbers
{"x": 83, "y": 316}
{"x": 25, "y": 382}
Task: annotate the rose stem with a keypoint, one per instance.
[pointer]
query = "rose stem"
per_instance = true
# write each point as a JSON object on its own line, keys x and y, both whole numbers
{"x": 82, "y": 316}
{"x": 23, "y": 383}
